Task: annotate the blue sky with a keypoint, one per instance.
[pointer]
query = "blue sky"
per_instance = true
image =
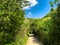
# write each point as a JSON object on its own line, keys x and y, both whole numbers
{"x": 38, "y": 9}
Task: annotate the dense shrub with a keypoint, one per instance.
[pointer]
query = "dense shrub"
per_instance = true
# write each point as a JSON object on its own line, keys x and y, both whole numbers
{"x": 11, "y": 22}
{"x": 55, "y": 32}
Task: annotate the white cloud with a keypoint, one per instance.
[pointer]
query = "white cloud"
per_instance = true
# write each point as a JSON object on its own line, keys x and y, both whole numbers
{"x": 32, "y": 4}
{"x": 30, "y": 13}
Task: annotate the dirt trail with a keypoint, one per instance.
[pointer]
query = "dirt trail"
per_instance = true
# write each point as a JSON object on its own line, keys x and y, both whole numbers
{"x": 33, "y": 41}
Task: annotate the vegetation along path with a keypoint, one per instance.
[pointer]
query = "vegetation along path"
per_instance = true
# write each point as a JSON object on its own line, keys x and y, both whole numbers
{"x": 33, "y": 41}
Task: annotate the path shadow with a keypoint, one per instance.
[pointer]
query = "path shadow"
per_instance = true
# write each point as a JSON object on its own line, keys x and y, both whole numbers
{"x": 35, "y": 40}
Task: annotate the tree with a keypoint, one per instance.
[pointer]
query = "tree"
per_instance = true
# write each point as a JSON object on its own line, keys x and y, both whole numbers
{"x": 51, "y": 4}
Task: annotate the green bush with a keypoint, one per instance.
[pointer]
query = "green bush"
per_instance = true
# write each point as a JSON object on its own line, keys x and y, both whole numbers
{"x": 11, "y": 21}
